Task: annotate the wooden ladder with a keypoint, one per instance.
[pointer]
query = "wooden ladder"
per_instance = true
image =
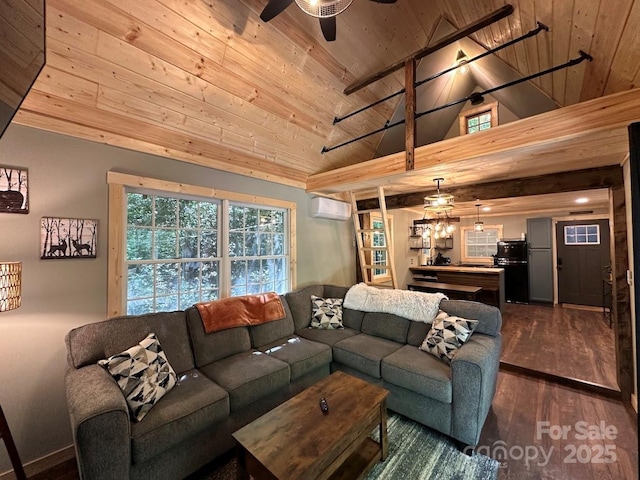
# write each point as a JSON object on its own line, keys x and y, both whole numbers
{"x": 368, "y": 267}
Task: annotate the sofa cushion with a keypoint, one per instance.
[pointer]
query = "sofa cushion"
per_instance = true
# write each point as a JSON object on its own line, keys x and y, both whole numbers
{"x": 419, "y": 330}
{"x": 96, "y": 341}
{"x": 326, "y": 313}
{"x": 248, "y": 376}
{"x": 489, "y": 317}
{"x": 364, "y": 353}
{"x": 209, "y": 347}
{"x": 302, "y": 355}
{"x": 410, "y": 368}
{"x": 271, "y": 331}
{"x": 335, "y": 291}
{"x": 195, "y": 404}
{"x": 386, "y": 325}
{"x": 300, "y": 304}
{"x": 447, "y": 335}
{"x": 143, "y": 374}
{"x": 328, "y": 337}
{"x": 352, "y": 318}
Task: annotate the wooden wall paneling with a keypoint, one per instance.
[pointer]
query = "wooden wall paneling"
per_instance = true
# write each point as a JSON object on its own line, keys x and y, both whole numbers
{"x": 136, "y": 85}
{"x": 621, "y": 305}
{"x": 62, "y": 84}
{"x": 528, "y": 22}
{"x": 70, "y": 30}
{"x": 214, "y": 156}
{"x": 297, "y": 89}
{"x": 625, "y": 66}
{"x": 517, "y": 30}
{"x": 118, "y": 23}
{"x": 544, "y": 13}
{"x": 608, "y": 30}
{"x": 208, "y": 127}
{"x": 161, "y": 19}
{"x": 560, "y": 32}
{"x": 585, "y": 14}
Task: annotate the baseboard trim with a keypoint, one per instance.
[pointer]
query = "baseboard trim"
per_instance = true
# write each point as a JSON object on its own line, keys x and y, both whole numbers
{"x": 574, "y": 383}
{"x": 582, "y": 307}
{"x": 44, "y": 463}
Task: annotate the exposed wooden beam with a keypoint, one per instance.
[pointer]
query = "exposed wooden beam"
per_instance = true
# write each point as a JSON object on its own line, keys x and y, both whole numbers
{"x": 589, "y": 179}
{"x": 410, "y": 112}
{"x": 473, "y": 27}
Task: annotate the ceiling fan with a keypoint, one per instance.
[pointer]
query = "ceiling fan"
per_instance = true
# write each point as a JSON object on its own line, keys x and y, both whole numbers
{"x": 325, "y": 10}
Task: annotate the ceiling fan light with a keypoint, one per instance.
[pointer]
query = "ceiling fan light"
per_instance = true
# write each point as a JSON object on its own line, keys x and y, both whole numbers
{"x": 323, "y": 8}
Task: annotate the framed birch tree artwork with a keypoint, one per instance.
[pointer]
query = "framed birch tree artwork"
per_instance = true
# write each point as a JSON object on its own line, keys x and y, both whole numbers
{"x": 14, "y": 190}
{"x": 68, "y": 238}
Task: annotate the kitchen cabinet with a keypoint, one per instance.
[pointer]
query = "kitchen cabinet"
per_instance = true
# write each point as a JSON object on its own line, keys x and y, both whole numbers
{"x": 540, "y": 238}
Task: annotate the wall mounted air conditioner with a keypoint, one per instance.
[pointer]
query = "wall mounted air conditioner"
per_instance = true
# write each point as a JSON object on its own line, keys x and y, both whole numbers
{"x": 323, "y": 207}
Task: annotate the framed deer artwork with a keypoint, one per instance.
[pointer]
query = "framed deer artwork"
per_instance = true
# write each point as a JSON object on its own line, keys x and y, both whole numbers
{"x": 68, "y": 238}
{"x": 14, "y": 190}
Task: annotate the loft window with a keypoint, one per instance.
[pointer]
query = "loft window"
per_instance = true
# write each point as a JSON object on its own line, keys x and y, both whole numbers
{"x": 479, "y": 119}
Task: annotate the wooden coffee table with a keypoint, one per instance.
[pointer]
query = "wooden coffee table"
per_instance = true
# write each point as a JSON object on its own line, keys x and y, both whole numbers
{"x": 296, "y": 440}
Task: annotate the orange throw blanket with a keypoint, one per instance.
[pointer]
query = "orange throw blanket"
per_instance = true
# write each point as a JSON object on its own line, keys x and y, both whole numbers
{"x": 240, "y": 311}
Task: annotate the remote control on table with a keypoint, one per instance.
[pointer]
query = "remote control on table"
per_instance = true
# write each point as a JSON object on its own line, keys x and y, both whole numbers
{"x": 324, "y": 406}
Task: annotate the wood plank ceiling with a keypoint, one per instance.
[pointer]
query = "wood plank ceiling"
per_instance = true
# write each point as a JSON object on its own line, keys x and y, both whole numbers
{"x": 206, "y": 81}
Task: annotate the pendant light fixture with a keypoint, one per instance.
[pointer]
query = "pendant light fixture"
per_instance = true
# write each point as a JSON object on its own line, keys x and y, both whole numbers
{"x": 438, "y": 202}
{"x": 478, "y": 226}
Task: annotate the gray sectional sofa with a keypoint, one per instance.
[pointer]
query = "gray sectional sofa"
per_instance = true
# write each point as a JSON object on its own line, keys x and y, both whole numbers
{"x": 229, "y": 378}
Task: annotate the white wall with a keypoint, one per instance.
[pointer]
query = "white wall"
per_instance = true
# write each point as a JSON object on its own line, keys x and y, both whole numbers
{"x": 67, "y": 178}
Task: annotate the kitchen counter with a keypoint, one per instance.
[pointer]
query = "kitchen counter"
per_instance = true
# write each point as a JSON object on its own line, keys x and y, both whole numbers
{"x": 458, "y": 268}
{"x": 491, "y": 279}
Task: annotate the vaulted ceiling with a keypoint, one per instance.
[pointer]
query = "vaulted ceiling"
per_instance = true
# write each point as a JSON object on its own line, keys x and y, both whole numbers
{"x": 206, "y": 81}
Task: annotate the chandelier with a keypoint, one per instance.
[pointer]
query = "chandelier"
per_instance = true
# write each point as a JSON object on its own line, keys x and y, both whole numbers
{"x": 438, "y": 202}
{"x": 443, "y": 227}
{"x": 478, "y": 226}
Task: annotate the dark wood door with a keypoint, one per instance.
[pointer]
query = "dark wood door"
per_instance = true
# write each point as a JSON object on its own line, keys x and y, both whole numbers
{"x": 583, "y": 260}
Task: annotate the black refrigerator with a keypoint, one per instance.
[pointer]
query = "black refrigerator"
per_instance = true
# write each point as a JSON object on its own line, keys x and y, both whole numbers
{"x": 512, "y": 256}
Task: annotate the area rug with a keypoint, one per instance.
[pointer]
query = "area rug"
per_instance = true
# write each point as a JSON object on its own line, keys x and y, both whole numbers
{"x": 415, "y": 453}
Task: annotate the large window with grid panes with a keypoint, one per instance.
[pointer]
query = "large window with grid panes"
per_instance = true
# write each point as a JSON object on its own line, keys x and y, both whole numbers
{"x": 181, "y": 249}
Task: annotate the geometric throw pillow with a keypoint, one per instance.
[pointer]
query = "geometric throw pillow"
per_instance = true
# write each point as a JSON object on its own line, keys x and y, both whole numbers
{"x": 143, "y": 374}
{"x": 326, "y": 313}
{"x": 447, "y": 335}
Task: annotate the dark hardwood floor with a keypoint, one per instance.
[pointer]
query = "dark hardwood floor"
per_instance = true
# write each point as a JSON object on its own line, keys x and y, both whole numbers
{"x": 566, "y": 342}
{"x": 528, "y": 416}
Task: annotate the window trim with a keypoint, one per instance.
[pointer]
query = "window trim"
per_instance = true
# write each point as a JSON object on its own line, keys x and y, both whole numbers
{"x": 117, "y": 184}
{"x": 368, "y": 242}
{"x": 485, "y": 107}
{"x": 463, "y": 244}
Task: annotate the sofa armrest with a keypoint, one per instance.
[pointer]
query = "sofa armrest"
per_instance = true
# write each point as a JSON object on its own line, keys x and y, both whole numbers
{"x": 100, "y": 423}
{"x": 474, "y": 374}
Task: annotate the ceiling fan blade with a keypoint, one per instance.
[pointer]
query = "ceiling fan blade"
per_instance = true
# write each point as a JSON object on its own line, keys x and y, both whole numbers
{"x": 274, "y": 8}
{"x": 328, "y": 26}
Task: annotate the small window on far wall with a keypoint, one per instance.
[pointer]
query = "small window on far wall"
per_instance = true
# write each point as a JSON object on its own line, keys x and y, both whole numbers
{"x": 478, "y": 119}
{"x": 478, "y": 247}
{"x": 582, "y": 234}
